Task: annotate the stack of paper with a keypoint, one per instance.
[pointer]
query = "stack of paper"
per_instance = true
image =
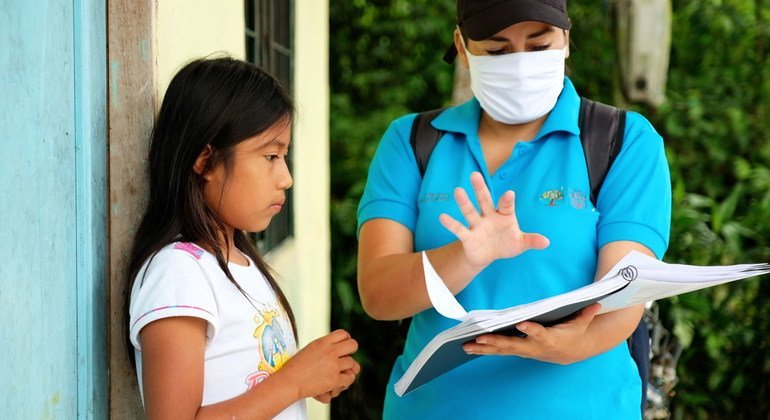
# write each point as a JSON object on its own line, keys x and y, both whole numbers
{"x": 635, "y": 279}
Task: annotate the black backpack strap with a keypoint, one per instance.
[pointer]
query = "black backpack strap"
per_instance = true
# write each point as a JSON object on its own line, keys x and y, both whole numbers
{"x": 424, "y": 137}
{"x": 602, "y": 128}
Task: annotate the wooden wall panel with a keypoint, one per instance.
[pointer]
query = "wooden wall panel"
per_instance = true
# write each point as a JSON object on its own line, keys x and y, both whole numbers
{"x": 131, "y": 112}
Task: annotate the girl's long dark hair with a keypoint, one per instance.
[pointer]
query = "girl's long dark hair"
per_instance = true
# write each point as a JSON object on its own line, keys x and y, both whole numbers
{"x": 218, "y": 102}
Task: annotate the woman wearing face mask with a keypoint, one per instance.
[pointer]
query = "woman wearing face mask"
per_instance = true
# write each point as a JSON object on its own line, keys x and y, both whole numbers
{"x": 516, "y": 141}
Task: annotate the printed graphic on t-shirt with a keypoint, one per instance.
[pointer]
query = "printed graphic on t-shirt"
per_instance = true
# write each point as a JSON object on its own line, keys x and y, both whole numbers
{"x": 190, "y": 248}
{"x": 272, "y": 346}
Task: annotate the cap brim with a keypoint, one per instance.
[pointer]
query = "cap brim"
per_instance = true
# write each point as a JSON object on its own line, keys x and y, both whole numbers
{"x": 494, "y": 19}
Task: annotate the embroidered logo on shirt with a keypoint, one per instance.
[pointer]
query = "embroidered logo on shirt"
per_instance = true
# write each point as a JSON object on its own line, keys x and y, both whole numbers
{"x": 552, "y": 197}
{"x": 577, "y": 199}
{"x": 557, "y": 197}
{"x": 434, "y": 198}
{"x": 190, "y": 249}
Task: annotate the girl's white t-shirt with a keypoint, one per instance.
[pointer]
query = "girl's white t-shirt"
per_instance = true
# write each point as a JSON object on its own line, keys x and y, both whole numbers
{"x": 248, "y": 338}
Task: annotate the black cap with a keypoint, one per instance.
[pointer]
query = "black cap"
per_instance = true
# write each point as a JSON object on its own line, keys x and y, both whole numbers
{"x": 480, "y": 19}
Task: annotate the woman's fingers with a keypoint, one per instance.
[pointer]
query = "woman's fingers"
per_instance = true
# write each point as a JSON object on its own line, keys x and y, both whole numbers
{"x": 506, "y": 205}
{"x": 482, "y": 194}
{"x": 587, "y": 314}
{"x": 494, "y": 344}
{"x": 466, "y": 207}
{"x": 452, "y": 225}
{"x": 494, "y": 232}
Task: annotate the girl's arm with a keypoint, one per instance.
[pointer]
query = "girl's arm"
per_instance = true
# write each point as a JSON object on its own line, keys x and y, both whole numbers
{"x": 173, "y": 364}
{"x": 390, "y": 275}
{"x": 580, "y": 338}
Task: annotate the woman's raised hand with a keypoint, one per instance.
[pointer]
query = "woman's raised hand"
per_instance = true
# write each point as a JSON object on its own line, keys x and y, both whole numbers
{"x": 493, "y": 233}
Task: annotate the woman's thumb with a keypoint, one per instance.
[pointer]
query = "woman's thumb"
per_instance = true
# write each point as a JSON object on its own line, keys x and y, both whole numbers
{"x": 535, "y": 241}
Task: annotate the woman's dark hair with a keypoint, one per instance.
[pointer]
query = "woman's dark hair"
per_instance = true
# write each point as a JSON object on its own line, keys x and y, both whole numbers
{"x": 219, "y": 102}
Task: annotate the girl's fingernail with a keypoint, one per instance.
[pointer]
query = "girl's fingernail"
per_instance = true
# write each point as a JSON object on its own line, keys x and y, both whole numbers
{"x": 481, "y": 340}
{"x": 522, "y": 327}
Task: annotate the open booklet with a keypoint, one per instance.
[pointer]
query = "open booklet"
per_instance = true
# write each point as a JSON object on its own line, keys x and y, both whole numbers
{"x": 635, "y": 279}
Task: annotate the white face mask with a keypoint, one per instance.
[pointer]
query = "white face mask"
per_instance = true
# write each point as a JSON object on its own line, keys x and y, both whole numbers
{"x": 520, "y": 87}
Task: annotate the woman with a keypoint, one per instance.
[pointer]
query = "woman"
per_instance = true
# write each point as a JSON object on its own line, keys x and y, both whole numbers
{"x": 519, "y": 133}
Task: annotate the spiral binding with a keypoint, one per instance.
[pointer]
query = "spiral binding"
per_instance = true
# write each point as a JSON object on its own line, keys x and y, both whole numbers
{"x": 629, "y": 273}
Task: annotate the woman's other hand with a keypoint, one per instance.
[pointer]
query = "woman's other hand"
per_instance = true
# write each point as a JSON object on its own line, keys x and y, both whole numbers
{"x": 563, "y": 343}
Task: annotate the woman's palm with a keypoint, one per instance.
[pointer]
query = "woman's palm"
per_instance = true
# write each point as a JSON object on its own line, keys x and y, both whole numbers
{"x": 493, "y": 233}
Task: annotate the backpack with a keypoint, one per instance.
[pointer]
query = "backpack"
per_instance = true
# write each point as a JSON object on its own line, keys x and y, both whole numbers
{"x": 602, "y": 128}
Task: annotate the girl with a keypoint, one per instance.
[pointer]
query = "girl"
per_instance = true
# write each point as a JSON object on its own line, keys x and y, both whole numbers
{"x": 519, "y": 133}
{"x": 213, "y": 335}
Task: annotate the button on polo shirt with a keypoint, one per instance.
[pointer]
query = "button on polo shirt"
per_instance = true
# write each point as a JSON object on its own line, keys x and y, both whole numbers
{"x": 550, "y": 179}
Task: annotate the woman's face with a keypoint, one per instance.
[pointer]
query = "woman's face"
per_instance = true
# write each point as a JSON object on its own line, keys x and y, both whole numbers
{"x": 521, "y": 37}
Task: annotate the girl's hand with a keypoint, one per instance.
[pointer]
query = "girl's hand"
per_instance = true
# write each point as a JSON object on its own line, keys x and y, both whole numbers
{"x": 323, "y": 366}
{"x": 561, "y": 343}
{"x": 494, "y": 233}
{"x": 327, "y": 397}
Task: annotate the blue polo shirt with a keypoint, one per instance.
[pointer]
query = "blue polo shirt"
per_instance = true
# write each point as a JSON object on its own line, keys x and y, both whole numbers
{"x": 550, "y": 179}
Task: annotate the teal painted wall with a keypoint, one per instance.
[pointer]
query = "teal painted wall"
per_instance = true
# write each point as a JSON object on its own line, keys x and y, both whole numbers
{"x": 53, "y": 168}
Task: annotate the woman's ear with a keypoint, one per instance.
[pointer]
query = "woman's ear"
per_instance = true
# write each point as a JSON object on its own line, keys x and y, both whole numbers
{"x": 566, "y": 43}
{"x": 460, "y": 47}
{"x": 201, "y": 165}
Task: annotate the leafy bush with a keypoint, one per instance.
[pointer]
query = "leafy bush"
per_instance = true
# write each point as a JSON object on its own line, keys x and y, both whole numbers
{"x": 386, "y": 62}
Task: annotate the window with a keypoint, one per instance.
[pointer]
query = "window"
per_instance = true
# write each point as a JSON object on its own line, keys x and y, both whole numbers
{"x": 269, "y": 35}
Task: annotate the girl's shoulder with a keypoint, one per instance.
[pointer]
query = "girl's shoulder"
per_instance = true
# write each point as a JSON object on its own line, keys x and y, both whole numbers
{"x": 175, "y": 281}
{"x": 181, "y": 251}
{"x": 187, "y": 249}
{"x": 177, "y": 256}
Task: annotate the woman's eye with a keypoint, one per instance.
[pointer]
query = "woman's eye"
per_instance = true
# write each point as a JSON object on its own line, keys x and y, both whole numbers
{"x": 497, "y": 52}
{"x": 541, "y": 47}
{"x": 271, "y": 158}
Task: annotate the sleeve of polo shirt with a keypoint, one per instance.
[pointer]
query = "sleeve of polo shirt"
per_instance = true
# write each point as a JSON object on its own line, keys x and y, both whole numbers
{"x": 635, "y": 199}
{"x": 394, "y": 179}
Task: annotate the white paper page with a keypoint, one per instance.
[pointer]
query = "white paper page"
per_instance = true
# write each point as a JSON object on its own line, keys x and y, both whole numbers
{"x": 440, "y": 296}
{"x": 646, "y": 279}
{"x": 658, "y": 280}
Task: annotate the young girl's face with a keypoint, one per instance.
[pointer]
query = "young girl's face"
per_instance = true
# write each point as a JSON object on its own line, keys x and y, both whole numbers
{"x": 253, "y": 189}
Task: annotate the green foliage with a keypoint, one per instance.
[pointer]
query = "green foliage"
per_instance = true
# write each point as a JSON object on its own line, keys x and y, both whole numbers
{"x": 717, "y": 129}
{"x": 386, "y": 62}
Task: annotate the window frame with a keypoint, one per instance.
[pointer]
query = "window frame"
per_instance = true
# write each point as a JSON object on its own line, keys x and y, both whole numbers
{"x": 269, "y": 39}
